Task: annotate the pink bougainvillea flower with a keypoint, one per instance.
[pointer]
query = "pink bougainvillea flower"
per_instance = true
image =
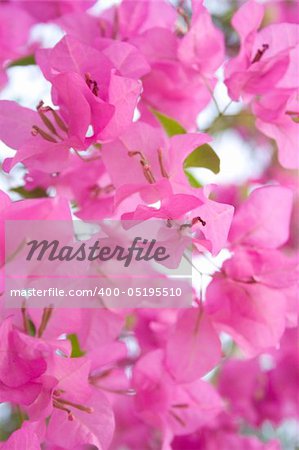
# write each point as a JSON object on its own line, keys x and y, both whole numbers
{"x": 208, "y": 220}
{"x": 266, "y": 58}
{"x": 122, "y": 157}
{"x": 129, "y": 429}
{"x": 157, "y": 167}
{"x": 203, "y": 51}
{"x": 277, "y": 117}
{"x": 263, "y": 219}
{"x": 211, "y": 225}
{"x": 258, "y": 393}
{"x": 250, "y": 264}
{"x": 100, "y": 82}
{"x": 23, "y": 361}
{"x": 70, "y": 389}
{"x": 148, "y": 376}
{"x": 13, "y": 38}
{"x": 124, "y": 21}
{"x": 283, "y": 379}
{"x": 172, "y": 231}
{"x": 173, "y": 156}
{"x": 93, "y": 430}
{"x": 246, "y": 388}
{"x": 174, "y": 61}
{"x": 44, "y": 137}
{"x": 126, "y": 58}
{"x": 271, "y": 268}
{"x": 283, "y": 12}
{"x": 266, "y": 67}
{"x": 34, "y": 209}
{"x": 145, "y": 15}
{"x": 253, "y": 314}
{"x": 193, "y": 347}
{"x": 81, "y": 414}
{"x": 175, "y": 409}
{"x": 171, "y": 86}
{"x": 181, "y": 75}
{"x": 246, "y": 293}
{"x": 222, "y": 434}
{"x": 173, "y": 207}
{"x": 27, "y": 438}
{"x": 44, "y": 10}
{"x": 84, "y": 181}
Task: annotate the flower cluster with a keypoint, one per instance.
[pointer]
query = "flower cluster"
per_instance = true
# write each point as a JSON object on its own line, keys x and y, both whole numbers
{"x": 121, "y": 140}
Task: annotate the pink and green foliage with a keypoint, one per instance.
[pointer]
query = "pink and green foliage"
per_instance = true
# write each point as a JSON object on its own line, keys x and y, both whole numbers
{"x": 122, "y": 139}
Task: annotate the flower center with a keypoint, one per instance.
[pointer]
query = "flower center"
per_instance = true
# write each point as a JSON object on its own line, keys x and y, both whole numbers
{"x": 259, "y": 53}
{"x": 194, "y": 221}
{"x": 54, "y": 125}
{"x": 161, "y": 163}
{"x": 63, "y": 404}
{"x": 147, "y": 171}
{"x": 92, "y": 84}
{"x": 97, "y": 191}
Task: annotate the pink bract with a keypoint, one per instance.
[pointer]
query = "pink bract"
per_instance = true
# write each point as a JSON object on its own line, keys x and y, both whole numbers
{"x": 173, "y": 124}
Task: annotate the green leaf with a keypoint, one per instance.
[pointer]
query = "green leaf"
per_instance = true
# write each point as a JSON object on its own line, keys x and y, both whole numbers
{"x": 171, "y": 126}
{"x": 27, "y": 60}
{"x": 76, "y": 349}
{"x": 35, "y": 193}
{"x": 32, "y": 329}
{"x": 203, "y": 156}
{"x": 192, "y": 180}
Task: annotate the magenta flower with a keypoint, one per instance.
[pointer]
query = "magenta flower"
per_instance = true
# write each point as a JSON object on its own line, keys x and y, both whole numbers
{"x": 157, "y": 306}
{"x": 104, "y": 82}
